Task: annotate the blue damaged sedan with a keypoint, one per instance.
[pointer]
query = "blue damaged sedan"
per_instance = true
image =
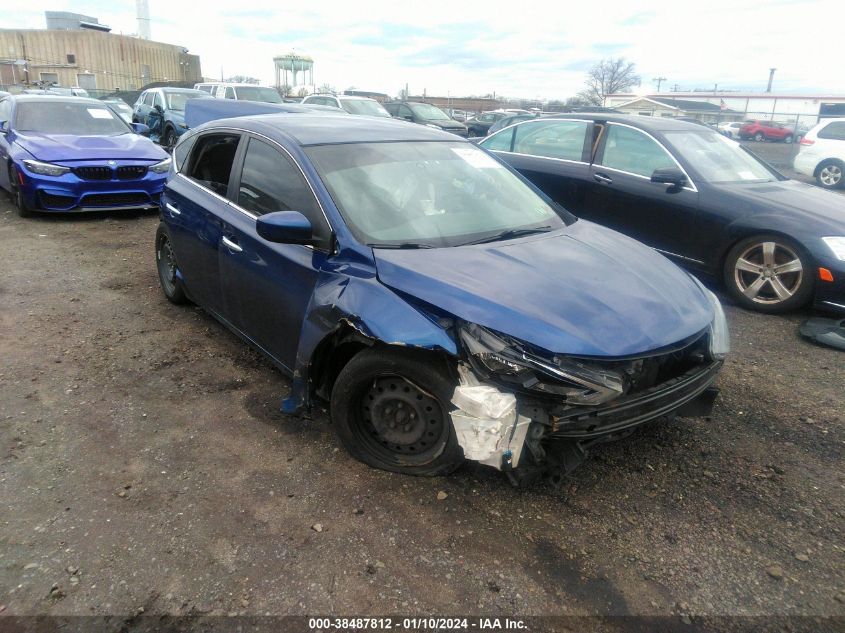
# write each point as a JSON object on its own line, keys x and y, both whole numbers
{"x": 440, "y": 305}
{"x": 68, "y": 154}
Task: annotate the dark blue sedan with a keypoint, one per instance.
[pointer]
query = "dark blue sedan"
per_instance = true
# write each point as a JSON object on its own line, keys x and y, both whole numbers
{"x": 442, "y": 306}
{"x": 75, "y": 154}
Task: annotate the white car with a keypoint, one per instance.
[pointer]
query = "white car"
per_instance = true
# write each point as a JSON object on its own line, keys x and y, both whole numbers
{"x": 351, "y": 103}
{"x": 730, "y": 128}
{"x": 240, "y": 92}
{"x": 822, "y": 154}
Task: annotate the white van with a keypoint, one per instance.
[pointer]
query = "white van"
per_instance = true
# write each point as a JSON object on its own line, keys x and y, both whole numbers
{"x": 240, "y": 92}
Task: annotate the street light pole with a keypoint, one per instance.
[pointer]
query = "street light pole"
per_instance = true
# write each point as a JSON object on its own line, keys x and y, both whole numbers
{"x": 771, "y": 77}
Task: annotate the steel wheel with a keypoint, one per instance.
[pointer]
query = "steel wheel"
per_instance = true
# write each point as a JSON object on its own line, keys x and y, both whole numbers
{"x": 769, "y": 273}
{"x": 830, "y": 175}
{"x": 398, "y": 418}
{"x": 167, "y": 268}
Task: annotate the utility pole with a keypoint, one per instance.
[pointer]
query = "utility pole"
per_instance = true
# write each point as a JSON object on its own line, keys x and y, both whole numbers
{"x": 659, "y": 81}
{"x": 771, "y": 77}
{"x": 715, "y": 87}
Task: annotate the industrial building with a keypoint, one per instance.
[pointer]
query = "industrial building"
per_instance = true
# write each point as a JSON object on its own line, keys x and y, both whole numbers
{"x": 76, "y": 50}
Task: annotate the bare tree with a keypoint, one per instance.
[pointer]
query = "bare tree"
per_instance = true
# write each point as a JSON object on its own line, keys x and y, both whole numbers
{"x": 284, "y": 90}
{"x": 609, "y": 76}
{"x": 242, "y": 79}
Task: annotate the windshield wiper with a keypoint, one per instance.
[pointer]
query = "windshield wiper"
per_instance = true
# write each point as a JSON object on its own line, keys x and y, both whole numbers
{"x": 405, "y": 245}
{"x": 508, "y": 235}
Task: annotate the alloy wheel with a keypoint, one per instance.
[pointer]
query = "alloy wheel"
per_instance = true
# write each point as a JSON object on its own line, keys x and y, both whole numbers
{"x": 768, "y": 272}
{"x": 830, "y": 175}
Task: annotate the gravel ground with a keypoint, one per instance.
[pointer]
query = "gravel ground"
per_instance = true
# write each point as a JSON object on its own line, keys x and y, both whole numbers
{"x": 144, "y": 464}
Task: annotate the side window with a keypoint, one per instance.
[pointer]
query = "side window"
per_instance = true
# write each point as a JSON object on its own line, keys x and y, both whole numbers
{"x": 182, "y": 149}
{"x": 835, "y": 130}
{"x": 270, "y": 182}
{"x": 211, "y": 161}
{"x": 630, "y": 150}
{"x": 500, "y": 142}
{"x": 230, "y": 92}
{"x": 405, "y": 111}
{"x": 391, "y": 108}
{"x": 148, "y": 98}
{"x": 552, "y": 139}
{"x": 158, "y": 101}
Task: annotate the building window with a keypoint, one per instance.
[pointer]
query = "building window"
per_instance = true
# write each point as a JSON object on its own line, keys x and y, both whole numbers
{"x": 145, "y": 73}
{"x": 87, "y": 81}
{"x": 71, "y": 59}
{"x": 51, "y": 77}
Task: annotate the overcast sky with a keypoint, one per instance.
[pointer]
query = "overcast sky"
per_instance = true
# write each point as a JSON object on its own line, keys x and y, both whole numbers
{"x": 518, "y": 49}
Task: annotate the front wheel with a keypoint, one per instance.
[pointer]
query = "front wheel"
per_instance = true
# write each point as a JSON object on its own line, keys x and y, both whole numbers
{"x": 21, "y": 205}
{"x": 769, "y": 273}
{"x": 166, "y": 266}
{"x": 169, "y": 139}
{"x": 759, "y": 137}
{"x": 390, "y": 408}
{"x": 787, "y": 138}
{"x": 829, "y": 175}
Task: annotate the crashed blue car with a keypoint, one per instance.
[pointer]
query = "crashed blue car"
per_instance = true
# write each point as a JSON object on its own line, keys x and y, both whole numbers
{"x": 69, "y": 154}
{"x": 439, "y": 304}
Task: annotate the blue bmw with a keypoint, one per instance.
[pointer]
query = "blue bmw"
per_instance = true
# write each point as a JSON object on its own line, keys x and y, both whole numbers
{"x": 440, "y": 305}
{"x": 63, "y": 154}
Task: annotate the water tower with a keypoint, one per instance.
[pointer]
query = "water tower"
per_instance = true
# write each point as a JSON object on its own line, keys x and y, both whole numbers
{"x": 288, "y": 69}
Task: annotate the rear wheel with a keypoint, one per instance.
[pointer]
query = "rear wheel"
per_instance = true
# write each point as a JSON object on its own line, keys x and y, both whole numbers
{"x": 166, "y": 266}
{"x": 390, "y": 408}
{"x": 769, "y": 273}
{"x": 787, "y": 138}
{"x": 829, "y": 174}
{"x": 21, "y": 206}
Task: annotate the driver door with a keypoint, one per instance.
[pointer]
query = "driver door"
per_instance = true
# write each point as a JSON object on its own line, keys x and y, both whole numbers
{"x": 621, "y": 196}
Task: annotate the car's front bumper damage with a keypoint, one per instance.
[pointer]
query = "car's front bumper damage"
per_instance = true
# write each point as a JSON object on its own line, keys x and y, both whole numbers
{"x": 546, "y": 433}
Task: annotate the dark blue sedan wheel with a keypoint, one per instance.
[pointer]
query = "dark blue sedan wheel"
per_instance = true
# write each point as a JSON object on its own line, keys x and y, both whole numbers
{"x": 390, "y": 408}
{"x": 18, "y": 199}
{"x": 167, "y": 268}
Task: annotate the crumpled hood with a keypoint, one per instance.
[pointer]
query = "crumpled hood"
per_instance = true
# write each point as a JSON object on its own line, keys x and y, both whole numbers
{"x": 65, "y": 147}
{"x": 583, "y": 291}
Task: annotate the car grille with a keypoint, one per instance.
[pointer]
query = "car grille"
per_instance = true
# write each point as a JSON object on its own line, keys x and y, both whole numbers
{"x": 53, "y": 201}
{"x": 131, "y": 172}
{"x": 115, "y": 199}
{"x": 94, "y": 172}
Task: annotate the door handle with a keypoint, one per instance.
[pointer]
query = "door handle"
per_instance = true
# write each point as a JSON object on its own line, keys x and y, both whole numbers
{"x": 173, "y": 210}
{"x": 232, "y": 246}
{"x": 602, "y": 179}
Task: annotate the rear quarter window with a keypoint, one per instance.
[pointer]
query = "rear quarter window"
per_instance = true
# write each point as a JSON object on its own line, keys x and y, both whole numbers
{"x": 834, "y": 131}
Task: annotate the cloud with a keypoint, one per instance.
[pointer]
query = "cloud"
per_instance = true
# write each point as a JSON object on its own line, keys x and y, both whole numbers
{"x": 541, "y": 49}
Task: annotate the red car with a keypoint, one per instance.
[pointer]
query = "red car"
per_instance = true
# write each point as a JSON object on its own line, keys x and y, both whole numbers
{"x": 766, "y": 131}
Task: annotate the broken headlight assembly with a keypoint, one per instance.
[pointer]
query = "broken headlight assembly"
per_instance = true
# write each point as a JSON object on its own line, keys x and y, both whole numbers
{"x": 720, "y": 338}
{"x": 508, "y": 361}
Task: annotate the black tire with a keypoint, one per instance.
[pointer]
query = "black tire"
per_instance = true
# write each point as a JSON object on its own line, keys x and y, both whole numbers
{"x": 752, "y": 277}
{"x": 830, "y": 174}
{"x": 21, "y": 206}
{"x": 390, "y": 408}
{"x": 759, "y": 137}
{"x": 169, "y": 138}
{"x": 787, "y": 139}
{"x": 167, "y": 267}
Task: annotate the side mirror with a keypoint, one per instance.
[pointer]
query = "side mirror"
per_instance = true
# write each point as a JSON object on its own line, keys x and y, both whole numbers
{"x": 141, "y": 129}
{"x": 669, "y": 176}
{"x": 408, "y": 117}
{"x": 285, "y": 227}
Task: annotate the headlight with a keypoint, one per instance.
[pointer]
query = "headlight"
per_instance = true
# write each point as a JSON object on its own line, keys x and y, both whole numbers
{"x": 45, "y": 169}
{"x": 161, "y": 168}
{"x": 720, "y": 337}
{"x": 837, "y": 245}
{"x": 508, "y": 361}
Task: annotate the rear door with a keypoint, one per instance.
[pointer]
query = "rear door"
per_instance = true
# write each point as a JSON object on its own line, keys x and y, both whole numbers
{"x": 554, "y": 154}
{"x": 622, "y": 196}
{"x": 194, "y": 207}
{"x": 267, "y": 286}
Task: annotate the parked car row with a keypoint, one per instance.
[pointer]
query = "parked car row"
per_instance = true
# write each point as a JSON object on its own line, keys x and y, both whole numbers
{"x": 439, "y": 296}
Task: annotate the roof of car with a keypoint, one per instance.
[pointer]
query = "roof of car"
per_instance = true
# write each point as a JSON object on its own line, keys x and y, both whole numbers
{"x": 175, "y": 89}
{"x": 53, "y": 98}
{"x": 648, "y": 123}
{"x": 324, "y": 129}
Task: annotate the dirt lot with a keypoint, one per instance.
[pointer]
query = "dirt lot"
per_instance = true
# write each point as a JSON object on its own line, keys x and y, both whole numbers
{"x": 144, "y": 463}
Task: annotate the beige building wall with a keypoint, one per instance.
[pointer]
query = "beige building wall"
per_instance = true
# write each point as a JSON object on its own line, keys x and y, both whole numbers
{"x": 92, "y": 59}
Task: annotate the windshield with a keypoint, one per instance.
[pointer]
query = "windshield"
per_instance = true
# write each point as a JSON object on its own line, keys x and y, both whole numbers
{"x": 428, "y": 194}
{"x": 718, "y": 159}
{"x": 258, "y": 93}
{"x": 61, "y": 117}
{"x": 364, "y": 106}
{"x": 176, "y": 100}
{"x": 428, "y": 112}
